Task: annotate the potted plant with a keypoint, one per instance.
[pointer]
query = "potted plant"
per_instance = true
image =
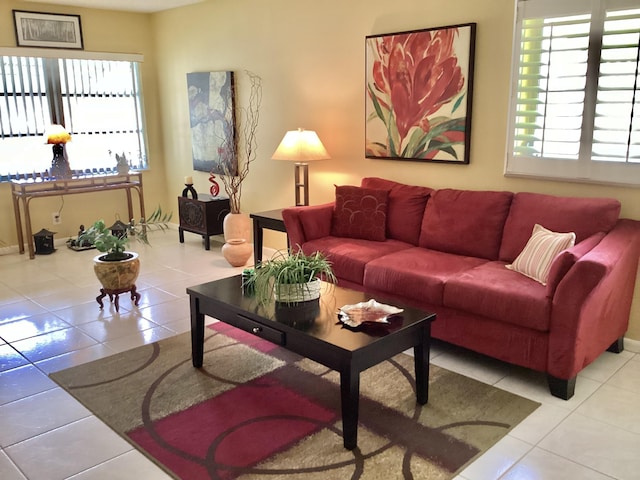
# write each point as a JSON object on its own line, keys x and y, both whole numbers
{"x": 291, "y": 278}
{"x": 116, "y": 268}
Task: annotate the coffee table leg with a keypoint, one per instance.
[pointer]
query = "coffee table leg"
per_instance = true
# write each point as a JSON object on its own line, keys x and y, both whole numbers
{"x": 350, "y": 396}
{"x": 421, "y": 360}
{"x": 197, "y": 333}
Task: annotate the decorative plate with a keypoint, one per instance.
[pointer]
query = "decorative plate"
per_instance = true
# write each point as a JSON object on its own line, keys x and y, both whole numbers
{"x": 366, "y": 312}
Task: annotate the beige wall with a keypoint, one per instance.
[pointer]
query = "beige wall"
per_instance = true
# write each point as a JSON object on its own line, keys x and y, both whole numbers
{"x": 310, "y": 56}
{"x": 103, "y": 31}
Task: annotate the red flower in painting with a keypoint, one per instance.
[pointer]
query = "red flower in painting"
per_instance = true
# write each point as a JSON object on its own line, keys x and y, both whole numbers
{"x": 418, "y": 73}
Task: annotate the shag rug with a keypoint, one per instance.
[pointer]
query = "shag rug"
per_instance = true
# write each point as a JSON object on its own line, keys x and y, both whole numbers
{"x": 256, "y": 410}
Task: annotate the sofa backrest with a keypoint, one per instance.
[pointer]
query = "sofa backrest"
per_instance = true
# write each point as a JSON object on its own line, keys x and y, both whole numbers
{"x": 405, "y": 207}
{"x": 465, "y": 222}
{"x": 583, "y": 216}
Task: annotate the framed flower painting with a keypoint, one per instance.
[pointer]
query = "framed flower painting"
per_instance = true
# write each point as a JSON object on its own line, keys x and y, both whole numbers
{"x": 419, "y": 94}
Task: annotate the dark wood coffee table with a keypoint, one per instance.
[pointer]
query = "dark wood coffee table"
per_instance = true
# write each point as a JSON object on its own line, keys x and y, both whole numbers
{"x": 312, "y": 330}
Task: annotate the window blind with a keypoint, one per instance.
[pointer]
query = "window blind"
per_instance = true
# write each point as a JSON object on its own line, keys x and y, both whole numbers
{"x": 98, "y": 101}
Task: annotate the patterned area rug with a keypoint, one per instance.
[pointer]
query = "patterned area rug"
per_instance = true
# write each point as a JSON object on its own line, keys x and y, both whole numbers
{"x": 258, "y": 411}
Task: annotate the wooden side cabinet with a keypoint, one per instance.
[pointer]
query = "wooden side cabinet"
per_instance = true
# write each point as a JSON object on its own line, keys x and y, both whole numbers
{"x": 203, "y": 215}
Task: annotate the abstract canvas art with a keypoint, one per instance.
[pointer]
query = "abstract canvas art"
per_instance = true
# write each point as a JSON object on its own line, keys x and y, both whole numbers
{"x": 212, "y": 121}
{"x": 418, "y": 94}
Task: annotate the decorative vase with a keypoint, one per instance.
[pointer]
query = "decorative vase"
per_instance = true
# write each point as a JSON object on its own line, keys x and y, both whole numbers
{"x": 119, "y": 274}
{"x": 297, "y": 292}
{"x": 237, "y": 251}
{"x": 60, "y": 164}
{"x": 236, "y": 225}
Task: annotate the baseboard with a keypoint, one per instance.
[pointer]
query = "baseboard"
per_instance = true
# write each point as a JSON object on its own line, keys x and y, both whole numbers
{"x": 631, "y": 345}
{"x": 9, "y": 250}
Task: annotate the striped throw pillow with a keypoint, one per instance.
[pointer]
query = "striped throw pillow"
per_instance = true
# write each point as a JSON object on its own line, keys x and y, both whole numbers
{"x": 544, "y": 245}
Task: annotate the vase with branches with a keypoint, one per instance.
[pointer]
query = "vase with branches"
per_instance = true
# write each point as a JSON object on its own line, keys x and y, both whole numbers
{"x": 238, "y": 152}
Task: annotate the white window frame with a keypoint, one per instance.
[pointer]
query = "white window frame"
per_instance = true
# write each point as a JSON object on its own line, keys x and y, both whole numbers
{"x": 55, "y": 54}
{"x": 584, "y": 169}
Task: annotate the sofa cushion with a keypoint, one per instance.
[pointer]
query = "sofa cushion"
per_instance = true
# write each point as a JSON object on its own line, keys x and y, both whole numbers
{"x": 465, "y": 222}
{"x": 405, "y": 210}
{"x": 584, "y": 216}
{"x": 416, "y": 273}
{"x": 349, "y": 256}
{"x": 360, "y": 213}
{"x": 495, "y": 292}
{"x": 542, "y": 248}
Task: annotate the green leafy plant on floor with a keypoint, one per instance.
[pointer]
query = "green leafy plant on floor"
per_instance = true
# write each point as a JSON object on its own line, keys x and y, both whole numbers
{"x": 100, "y": 236}
{"x": 289, "y": 268}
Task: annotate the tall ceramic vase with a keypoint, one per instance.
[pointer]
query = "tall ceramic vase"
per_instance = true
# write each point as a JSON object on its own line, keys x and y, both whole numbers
{"x": 237, "y": 235}
{"x": 237, "y": 251}
{"x": 236, "y": 225}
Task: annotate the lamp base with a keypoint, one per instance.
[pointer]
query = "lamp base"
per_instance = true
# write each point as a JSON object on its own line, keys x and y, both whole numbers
{"x": 302, "y": 184}
{"x": 59, "y": 165}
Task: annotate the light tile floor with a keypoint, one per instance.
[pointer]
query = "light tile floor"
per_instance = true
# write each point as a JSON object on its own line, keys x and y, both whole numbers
{"x": 49, "y": 321}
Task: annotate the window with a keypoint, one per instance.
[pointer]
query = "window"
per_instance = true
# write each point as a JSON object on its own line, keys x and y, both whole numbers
{"x": 97, "y": 100}
{"x": 575, "y": 103}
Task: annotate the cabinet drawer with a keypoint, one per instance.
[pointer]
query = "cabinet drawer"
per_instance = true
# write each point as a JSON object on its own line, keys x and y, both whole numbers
{"x": 260, "y": 330}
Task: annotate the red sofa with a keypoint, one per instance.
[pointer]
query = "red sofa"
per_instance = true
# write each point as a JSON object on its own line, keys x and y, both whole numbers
{"x": 446, "y": 251}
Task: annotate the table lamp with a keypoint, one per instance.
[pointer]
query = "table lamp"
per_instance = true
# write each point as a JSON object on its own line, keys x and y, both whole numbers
{"x": 301, "y": 146}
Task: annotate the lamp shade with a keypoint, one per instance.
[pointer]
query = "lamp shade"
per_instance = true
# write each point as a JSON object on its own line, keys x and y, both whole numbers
{"x": 300, "y": 146}
{"x": 56, "y": 134}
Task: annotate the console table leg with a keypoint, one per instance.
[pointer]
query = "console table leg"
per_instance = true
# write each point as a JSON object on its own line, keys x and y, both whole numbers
{"x": 181, "y": 234}
{"x": 197, "y": 333}
{"x": 350, "y": 396}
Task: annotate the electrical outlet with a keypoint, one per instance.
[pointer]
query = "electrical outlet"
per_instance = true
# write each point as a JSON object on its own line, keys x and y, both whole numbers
{"x": 55, "y": 217}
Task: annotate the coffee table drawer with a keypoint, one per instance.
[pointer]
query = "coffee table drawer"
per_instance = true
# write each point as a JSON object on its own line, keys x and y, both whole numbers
{"x": 260, "y": 330}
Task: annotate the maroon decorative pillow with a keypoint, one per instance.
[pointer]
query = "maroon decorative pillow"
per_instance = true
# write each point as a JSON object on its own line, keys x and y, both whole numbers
{"x": 406, "y": 207}
{"x": 360, "y": 213}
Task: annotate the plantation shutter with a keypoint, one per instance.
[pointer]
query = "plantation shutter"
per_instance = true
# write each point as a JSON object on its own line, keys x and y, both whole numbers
{"x": 616, "y": 135}
{"x": 551, "y": 86}
{"x": 575, "y": 100}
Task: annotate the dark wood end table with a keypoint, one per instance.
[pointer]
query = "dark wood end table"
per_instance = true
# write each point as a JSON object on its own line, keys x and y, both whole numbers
{"x": 323, "y": 339}
{"x": 271, "y": 220}
{"x": 203, "y": 216}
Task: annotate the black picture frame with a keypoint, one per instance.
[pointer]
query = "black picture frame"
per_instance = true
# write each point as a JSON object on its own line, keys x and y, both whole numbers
{"x": 48, "y": 30}
{"x": 419, "y": 91}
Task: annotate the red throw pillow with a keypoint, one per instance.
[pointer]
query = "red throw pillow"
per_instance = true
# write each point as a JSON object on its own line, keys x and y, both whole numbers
{"x": 360, "y": 213}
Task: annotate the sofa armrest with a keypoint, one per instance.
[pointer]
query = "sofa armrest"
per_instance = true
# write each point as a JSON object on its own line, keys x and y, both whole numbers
{"x": 592, "y": 303}
{"x": 307, "y": 223}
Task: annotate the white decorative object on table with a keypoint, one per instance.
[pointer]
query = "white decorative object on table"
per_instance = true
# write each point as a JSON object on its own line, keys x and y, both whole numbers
{"x": 363, "y": 312}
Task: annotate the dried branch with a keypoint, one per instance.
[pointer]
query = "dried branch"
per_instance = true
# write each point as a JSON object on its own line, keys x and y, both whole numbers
{"x": 241, "y": 150}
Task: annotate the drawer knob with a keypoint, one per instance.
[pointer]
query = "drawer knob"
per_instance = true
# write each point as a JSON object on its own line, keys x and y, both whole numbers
{"x": 256, "y": 329}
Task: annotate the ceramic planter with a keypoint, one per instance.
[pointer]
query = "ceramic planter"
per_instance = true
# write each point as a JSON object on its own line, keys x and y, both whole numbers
{"x": 117, "y": 275}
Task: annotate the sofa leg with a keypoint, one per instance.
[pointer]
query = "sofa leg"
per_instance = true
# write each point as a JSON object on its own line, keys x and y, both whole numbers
{"x": 617, "y": 346}
{"x": 561, "y": 388}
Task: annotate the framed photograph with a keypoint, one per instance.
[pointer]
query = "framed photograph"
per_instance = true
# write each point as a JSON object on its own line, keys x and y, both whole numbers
{"x": 419, "y": 88}
{"x": 212, "y": 122}
{"x": 50, "y": 30}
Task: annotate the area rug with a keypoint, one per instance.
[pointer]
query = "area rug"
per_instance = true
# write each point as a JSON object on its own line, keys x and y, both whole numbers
{"x": 256, "y": 411}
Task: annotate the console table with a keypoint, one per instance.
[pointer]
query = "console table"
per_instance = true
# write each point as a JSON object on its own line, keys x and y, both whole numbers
{"x": 23, "y": 191}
